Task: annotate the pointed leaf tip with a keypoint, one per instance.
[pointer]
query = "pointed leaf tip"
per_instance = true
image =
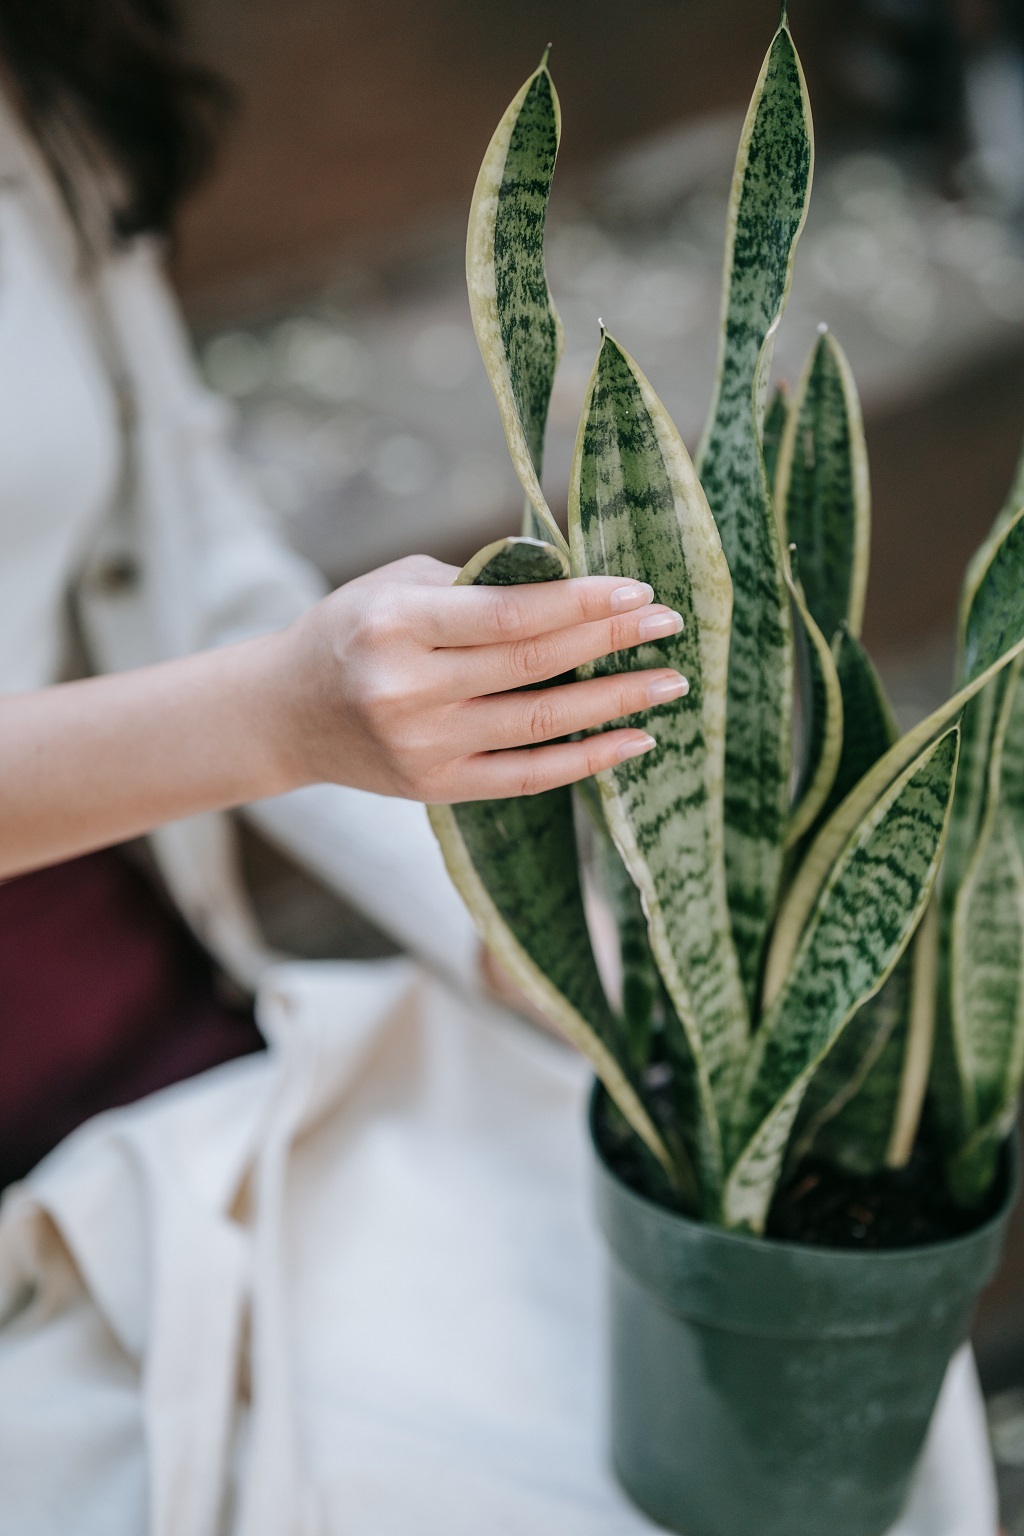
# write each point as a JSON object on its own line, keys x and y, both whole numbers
{"x": 545, "y": 56}
{"x": 784, "y": 14}
{"x": 822, "y": 327}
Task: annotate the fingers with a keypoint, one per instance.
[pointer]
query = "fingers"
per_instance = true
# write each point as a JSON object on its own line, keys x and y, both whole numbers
{"x": 525, "y": 719}
{"x": 500, "y": 775}
{"x": 490, "y": 669}
{"x": 474, "y": 616}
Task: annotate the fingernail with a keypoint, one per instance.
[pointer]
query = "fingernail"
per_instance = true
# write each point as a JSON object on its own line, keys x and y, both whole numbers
{"x": 655, "y": 626}
{"x": 635, "y": 748}
{"x": 635, "y": 595}
{"x": 665, "y": 688}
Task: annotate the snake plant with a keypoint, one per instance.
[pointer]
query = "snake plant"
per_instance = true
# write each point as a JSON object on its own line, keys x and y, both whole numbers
{"x": 821, "y": 922}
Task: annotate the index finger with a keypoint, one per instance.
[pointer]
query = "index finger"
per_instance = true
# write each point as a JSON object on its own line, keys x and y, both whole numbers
{"x": 453, "y": 617}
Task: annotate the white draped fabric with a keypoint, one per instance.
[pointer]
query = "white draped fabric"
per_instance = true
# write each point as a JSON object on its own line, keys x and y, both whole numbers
{"x": 353, "y": 1288}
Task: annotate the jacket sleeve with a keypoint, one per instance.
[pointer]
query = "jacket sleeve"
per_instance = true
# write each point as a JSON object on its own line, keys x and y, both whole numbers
{"x": 223, "y": 573}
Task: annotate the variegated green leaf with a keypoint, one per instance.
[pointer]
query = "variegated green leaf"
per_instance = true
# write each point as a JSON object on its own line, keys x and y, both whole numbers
{"x": 978, "y": 728}
{"x": 775, "y": 420}
{"x": 767, "y": 210}
{"x": 823, "y": 491}
{"x": 853, "y": 1103}
{"x": 986, "y": 971}
{"x": 821, "y": 715}
{"x": 995, "y": 637}
{"x": 920, "y": 1040}
{"x": 860, "y": 925}
{"x": 846, "y": 1117}
{"x": 869, "y": 728}
{"x": 879, "y": 1070}
{"x": 636, "y": 509}
{"x": 514, "y": 862}
{"x": 514, "y": 316}
{"x": 979, "y": 561}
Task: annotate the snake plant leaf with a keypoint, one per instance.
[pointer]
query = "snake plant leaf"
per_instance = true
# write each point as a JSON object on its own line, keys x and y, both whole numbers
{"x": 775, "y": 420}
{"x": 637, "y": 509}
{"x": 920, "y": 1040}
{"x": 823, "y": 491}
{"x": 976, "y": 729}
{"x": 514, "y": 862}
{"x": 853, "y": 1101}
{"x": 994, "y": 638}
{"x": 822, "y": 713}
{"x": 979, "y": 561}
{"x": 654, "y": 1038}
{"x": 514, "y": 317}
{"x": 847, "y": 1113}
{"x": 986, "y": 971}
{"x": 879, "y": 1070}
{"x": 861, "y": 923}
{"x": 869, "y": 727}
{"x": 641, "y": 991}
{"x": 770, "y": 192}
{"x": 511, "y": 562}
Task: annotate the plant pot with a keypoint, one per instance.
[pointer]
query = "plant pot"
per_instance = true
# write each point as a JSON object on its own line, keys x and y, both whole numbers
{"x": 768, "y": 1387}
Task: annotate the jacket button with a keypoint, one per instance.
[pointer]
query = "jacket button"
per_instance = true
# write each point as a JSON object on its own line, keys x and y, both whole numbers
{"x": 118, "y": 575}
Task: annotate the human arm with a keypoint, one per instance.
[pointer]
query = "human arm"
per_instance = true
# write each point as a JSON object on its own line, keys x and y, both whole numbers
{"x": 398, "y": 683}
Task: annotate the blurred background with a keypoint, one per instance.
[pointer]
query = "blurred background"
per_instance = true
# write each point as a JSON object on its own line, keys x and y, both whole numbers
{"x": 321, "y": 269}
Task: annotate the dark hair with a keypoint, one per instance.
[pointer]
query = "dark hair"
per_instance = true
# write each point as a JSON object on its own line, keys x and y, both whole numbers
{"x": 121, "y": 68}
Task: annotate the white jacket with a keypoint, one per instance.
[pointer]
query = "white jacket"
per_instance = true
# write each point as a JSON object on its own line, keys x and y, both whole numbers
{"x": 189, "y": 558}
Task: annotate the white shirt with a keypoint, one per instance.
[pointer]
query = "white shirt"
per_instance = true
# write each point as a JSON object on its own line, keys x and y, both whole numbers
{"x": 60, "y": 444}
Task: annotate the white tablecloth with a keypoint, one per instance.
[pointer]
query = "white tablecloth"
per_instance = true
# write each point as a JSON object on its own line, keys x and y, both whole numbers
{"x": 353, "y": 1288}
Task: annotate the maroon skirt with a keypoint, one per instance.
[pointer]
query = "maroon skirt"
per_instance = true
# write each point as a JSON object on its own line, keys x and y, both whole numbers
{"x": 104, "y": 996}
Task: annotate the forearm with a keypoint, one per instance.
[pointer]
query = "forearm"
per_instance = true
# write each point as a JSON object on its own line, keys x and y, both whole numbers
{"x": 91, "y": 763}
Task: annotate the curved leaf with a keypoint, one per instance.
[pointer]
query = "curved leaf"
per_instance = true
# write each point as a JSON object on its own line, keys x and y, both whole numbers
{"x": 869, "y": 727}
{"x": 982, "y": 556}
{"x": 986, "y": 969}
{"x": 861, "y": 923}
{"x": 846, "y": 1117}
{"x": 823, "y": 491}
{"x": 822, "y": 713}
{"x": 995, "y": 637}
{"x": 514, "y": 316}
{"x": 636, "y": 509}
{"x": 857, "y": 1097}
{"x": 770, "y": 191}
{"x": 514, "y": 863}
{"x": 775, "y": 419}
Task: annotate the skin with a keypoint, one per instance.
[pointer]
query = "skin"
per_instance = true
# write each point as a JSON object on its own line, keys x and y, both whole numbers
{"x": 398, "y": 683}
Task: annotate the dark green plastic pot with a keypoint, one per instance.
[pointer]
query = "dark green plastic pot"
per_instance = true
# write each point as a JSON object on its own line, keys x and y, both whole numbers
{"x": 770, "y": 1388}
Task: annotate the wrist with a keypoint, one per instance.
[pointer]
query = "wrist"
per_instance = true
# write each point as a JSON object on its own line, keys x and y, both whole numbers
{"x": 271, "y": 682}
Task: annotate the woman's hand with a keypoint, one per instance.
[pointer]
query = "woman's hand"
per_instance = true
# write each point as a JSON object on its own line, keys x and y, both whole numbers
{"x": 399, "y": 683}
{"x": 410, "y": 686}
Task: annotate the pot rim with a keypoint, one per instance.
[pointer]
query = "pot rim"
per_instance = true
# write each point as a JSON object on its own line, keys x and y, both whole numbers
{"x": 852, "y": 1257}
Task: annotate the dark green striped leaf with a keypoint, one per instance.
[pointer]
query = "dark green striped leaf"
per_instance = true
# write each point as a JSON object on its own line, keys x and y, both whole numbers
{"x": 823, "y": 491}
{"x": 994, "y": 638}
{"x": 767, "y": 210}
{"x": 986, "y": 971}
{"x": 860, "y": 1103}
{"x": 514, "y": 316}
{"x": 978, "y": 728}
{"x": 846, "y": 1117}
{"x": 859, "y": 927}
{"x": 636, "y": 509}
{"x": 821, "y": 716}
{"x": 863, "y": 1107}
{"x": 775, "y": 420}
{"x": 515, "y": 864}
{"x": 869, "y": 728}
